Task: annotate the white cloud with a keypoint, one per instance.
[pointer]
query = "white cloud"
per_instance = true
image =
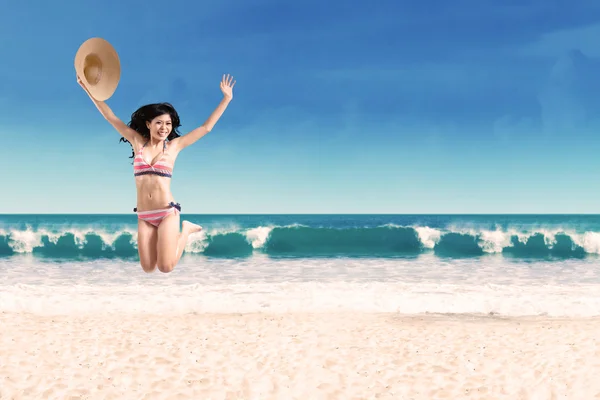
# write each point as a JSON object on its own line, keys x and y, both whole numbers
{"x": 570, "y": 96}
{"x": 509, "y": 127}
{"x": 555, "y": 44}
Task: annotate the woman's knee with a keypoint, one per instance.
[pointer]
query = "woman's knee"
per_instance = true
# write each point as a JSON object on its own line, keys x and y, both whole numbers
{"x": 166, "y": 266}
{"x": 148, "y": 266}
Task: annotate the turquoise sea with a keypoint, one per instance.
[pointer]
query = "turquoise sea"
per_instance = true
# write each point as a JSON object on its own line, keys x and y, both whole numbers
{"x": 481, "y": 264}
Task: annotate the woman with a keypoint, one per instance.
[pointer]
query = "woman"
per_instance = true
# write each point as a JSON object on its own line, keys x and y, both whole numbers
{"x": 152, "y": 133}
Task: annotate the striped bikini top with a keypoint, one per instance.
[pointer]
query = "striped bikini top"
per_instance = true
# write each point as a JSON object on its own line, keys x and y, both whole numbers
{"x": 161, "y": 167}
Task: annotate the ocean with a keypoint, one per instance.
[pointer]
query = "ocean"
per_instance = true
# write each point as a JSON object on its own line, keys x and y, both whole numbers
{"x": 513, "y": 265}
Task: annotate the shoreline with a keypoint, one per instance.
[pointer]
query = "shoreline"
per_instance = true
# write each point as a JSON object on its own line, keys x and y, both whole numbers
{"x": 297, "y": 355}
{"x": 397, "y": 317}
{"x": 392, "y": 315}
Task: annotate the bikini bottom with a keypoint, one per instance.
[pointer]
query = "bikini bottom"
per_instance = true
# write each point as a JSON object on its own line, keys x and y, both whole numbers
{"x": 155, "y": 217}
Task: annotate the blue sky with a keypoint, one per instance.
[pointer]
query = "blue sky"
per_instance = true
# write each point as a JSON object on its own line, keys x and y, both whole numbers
{"x": 381, "y": 107}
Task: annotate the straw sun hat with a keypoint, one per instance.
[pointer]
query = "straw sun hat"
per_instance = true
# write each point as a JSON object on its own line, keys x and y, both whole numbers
{"x": 97, "y": 64}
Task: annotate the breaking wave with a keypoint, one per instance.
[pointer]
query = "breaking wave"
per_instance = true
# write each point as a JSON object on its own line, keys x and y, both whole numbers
{"x": 303, "y": 241}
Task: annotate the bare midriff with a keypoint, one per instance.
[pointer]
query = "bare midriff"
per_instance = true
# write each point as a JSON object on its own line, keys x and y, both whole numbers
{"x": 153, "y": 192}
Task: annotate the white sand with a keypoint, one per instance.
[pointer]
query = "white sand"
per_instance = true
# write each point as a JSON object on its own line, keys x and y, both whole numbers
{"x": 297, "y": 356}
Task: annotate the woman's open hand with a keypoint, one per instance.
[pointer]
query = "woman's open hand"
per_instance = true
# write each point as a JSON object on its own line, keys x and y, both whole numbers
{"x": 227, "y": 84}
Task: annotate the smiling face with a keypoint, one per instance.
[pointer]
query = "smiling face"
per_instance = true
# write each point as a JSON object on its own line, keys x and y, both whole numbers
{"x": 160, "y": 127}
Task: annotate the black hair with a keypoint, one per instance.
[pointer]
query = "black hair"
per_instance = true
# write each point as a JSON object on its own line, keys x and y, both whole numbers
{"x": 146, "y": 114}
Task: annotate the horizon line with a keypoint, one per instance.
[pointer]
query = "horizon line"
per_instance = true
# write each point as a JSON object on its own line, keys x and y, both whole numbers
{"x": 319, "y": 213}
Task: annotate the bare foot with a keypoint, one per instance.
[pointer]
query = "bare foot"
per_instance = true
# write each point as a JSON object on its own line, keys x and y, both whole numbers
{"x": 189, "y": 227}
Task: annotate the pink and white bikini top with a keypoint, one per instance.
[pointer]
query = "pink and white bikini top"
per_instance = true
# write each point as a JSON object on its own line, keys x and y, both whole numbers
{"x": 160, "y": 167}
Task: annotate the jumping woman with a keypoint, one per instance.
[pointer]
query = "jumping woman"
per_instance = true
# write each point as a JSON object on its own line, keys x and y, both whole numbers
{"x": 152, "y": 133}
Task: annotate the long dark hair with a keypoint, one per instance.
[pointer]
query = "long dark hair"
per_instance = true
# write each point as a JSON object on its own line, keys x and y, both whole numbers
{"x": 146, "y": 114}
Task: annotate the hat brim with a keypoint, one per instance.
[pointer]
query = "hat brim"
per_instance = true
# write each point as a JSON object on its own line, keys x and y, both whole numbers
{"x": 97, "y": 64}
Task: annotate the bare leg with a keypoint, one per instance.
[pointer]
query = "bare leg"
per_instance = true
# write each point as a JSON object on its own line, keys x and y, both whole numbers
{"x": 147, "y": 239}
{"x": 187, "y": 228}
{"x": 171, "y": 242}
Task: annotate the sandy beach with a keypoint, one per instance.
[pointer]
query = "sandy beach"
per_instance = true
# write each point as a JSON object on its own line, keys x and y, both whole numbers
{"x": 297, "y": 356}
